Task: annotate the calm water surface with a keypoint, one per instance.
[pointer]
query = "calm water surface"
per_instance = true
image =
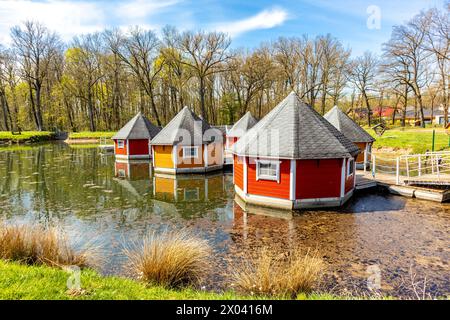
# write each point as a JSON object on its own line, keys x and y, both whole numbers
{"x": 114, "y": 204}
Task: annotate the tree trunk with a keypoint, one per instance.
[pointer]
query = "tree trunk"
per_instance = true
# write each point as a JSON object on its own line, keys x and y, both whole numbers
{"x": 33, "y": 108}
{"x": 40, "y": 125}
{"x": 422, "y": 117}
{"x": 91, "y": 111}
{"x": 405, "y": 106}
{"x": 155, "y": 111}
{"x": 6, "y": 114}
{"x": 202, "y": 98}
{"x": 366, "y": 98}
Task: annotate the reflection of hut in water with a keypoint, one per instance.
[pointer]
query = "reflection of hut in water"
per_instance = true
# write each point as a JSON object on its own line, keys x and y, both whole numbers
{"x": 203, "y": 188}
{"x": 133, "y": 170}
{"x": 133, "y": 140}
{"x": 187, "y": 144}
{"x": 353, "y": 132}
{"x": 134, "y": 176}
{"x": 293, "y": 158}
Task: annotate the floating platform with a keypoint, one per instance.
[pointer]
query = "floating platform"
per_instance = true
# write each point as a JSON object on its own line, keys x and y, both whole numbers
{"x": 421, "y": 188}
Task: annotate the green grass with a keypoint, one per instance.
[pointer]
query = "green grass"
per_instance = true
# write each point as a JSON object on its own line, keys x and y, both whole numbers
{"x": 18, "y": 281}
{"x": 91, "y": 135}
{"x": 411, "y": 140}
{"x": 33, "y": 136}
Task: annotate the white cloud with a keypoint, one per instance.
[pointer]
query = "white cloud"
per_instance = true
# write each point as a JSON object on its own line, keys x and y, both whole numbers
{"x": 266, "y": 19}
{"x": 73, "y": 17}
{"x": 138, "y": 9}
{"x": 66, "y": 17}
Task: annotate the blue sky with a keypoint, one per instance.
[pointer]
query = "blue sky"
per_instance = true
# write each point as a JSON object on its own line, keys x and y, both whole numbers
{"x": 248, "y": 22}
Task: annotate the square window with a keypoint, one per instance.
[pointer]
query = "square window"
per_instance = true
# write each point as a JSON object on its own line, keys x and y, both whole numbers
{"x": 268, "y": 170}
{"x": 190, "y": 152}
{"x": 120, "y": 144}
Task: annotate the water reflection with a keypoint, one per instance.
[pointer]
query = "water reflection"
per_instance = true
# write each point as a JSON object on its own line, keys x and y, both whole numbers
{"x": 119, "y": 202}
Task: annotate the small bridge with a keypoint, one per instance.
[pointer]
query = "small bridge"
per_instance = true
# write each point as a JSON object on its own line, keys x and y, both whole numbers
{"x": 425, "y": 176}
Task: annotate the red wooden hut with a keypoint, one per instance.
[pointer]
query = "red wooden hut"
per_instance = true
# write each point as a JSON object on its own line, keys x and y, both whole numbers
{"x": 133, "y": 140}
{"x": 293, "y": 158}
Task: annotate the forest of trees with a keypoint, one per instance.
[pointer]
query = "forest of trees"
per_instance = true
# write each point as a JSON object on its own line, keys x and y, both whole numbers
{"x": 99, "y": 81}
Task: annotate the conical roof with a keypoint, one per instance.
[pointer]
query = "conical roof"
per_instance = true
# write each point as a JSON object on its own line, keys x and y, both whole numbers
{"x": 186, "y": 128}
{"x": 242, "y": 126}
{"x": 294, "y": 130}
{"x": 139, "y": 127}
{"x": 347, "y": 126}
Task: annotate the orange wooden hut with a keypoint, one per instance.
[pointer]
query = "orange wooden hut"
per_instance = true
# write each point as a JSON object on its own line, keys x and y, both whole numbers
{"x": 354, "y": 132}
{"x": 293, "y": 158}
{"x": 133, "y": 140}
{"x": 187, "y": 144}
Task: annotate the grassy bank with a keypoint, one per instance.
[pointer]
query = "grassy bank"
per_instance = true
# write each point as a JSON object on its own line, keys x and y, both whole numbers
{"x": 26, "y": 136}
{"x": 411, "y": 140}
{"x": 91, "y": 135}
{"x": 19, "y": 281}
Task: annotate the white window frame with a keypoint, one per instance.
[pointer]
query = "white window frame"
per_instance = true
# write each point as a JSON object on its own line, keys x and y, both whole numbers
{"x": 350, "y": 161}
{"x": 268, "y": 177}
{"x": 120, "y": 144}
{"x": 189, "y": 156}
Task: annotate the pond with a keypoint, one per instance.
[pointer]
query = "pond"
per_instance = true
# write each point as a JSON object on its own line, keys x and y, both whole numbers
{"x": 91, "y": 196}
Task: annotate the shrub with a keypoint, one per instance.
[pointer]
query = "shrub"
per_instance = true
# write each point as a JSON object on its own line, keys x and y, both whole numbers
{"x": 37, "y": 245}
{"x": 171, "y": 259}
{"x": 275, "y": 275}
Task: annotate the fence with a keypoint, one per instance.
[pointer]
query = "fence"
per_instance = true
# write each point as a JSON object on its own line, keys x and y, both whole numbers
{"x": 432, "y": 166}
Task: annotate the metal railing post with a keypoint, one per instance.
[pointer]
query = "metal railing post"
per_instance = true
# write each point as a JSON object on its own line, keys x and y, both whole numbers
{"x": 420, "y": 165}
{"x": 407, "y": 167}
{"x": 373, "y": 165}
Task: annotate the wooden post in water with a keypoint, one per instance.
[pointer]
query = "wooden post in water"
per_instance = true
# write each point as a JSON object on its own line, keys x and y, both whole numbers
{"x": 397, "y": 174}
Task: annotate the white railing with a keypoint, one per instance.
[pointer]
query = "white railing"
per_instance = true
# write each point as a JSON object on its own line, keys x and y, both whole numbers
{"x": 433, "y": 165}
{"x": 430, "y": 166}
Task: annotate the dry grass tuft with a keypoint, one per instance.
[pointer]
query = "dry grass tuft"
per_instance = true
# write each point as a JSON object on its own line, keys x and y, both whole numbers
{"x": 171, "y": 259}
{"x": 38, "y": 245}
{"x": 274, "y": 275}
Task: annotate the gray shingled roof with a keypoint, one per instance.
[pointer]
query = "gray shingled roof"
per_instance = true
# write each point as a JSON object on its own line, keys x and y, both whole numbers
{"x": 242, "y": 126}
{"x": 139, "y": 127}
{"x": 294, "y": 130}
{"x": 186, "y": 128}
{"x": 347, "y": 126}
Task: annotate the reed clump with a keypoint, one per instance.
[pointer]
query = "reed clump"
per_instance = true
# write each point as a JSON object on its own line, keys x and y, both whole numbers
{"x": 36, "y": 245}
{"x": 271, "y": 274}
{"x": 171, "y": 259}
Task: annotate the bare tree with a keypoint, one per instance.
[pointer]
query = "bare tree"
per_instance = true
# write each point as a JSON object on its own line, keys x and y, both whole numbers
{"x": 139, "y": 51}
{"x": 437, "y": 42}
{"x": 36, "y": 47}
{"x": 406, "y": 49}
{"x": 84, "y": 64}
{"x": 362, "y": 73}
{"x": 206, "y": 55}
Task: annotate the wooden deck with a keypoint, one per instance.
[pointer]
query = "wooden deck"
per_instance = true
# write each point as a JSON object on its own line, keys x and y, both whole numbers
{"x": 413, "y": 187}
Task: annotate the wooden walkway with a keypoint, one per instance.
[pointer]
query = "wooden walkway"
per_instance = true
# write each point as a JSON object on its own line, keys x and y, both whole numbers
{"x": 413, "y": 187}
